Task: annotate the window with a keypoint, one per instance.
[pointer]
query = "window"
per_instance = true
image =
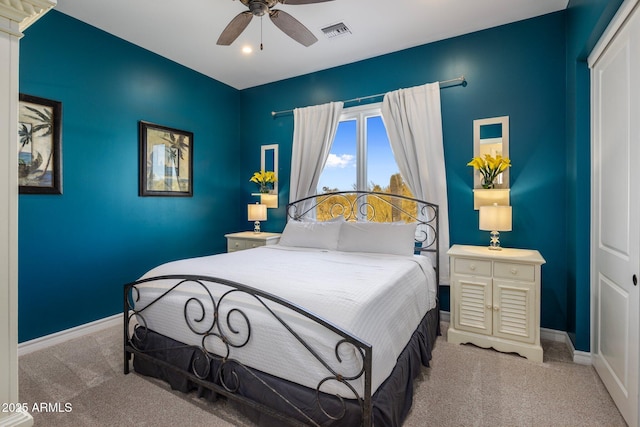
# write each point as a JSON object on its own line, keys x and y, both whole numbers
{"x": 361, "y": 159}
{"x": 361, "y": 156}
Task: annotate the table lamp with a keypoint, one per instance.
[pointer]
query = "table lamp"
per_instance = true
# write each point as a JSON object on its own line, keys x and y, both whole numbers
{"x": 257, "y": 213}
{"x": 495, "y": 218}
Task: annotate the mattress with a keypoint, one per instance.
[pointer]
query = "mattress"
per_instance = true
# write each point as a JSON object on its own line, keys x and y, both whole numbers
{"x": 378, "y": 298}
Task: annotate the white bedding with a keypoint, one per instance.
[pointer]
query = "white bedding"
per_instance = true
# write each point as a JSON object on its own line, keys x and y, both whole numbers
{"x": 378, "y": 298}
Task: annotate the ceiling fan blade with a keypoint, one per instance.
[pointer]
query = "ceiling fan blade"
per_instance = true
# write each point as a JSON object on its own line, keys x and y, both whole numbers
{"x": 292, "y": 27}
{"x": 234, "y": 28}
{"x": 293, "y": 2}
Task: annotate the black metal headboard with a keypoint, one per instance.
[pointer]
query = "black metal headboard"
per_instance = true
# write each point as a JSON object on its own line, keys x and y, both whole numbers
{"x": 376, "y": 207}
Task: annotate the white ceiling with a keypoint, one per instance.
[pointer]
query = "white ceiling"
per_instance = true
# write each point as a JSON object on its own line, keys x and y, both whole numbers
{"x": 186, "y": 31}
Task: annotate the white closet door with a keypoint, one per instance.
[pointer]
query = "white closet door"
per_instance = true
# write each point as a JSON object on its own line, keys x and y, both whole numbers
{"x": 615, "y": 213}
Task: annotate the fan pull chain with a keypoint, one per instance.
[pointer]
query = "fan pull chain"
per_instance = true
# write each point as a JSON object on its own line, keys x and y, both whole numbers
{"x": 261, "y": 32}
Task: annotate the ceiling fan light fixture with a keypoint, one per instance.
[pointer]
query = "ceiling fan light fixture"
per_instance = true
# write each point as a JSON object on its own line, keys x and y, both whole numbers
{"x": 258, "y": 8}
{"x": 285, "y": 22}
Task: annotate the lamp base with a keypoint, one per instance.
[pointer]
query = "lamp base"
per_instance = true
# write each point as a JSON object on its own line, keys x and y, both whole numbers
{"x": 256, "y": 227}
{"x": 494, "y": 245}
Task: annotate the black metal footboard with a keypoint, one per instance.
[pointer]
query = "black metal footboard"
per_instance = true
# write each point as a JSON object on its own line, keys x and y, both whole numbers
{"x": 213, "y": 310}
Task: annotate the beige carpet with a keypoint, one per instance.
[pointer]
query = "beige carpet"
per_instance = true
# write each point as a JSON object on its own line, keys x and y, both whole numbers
{"x": 465, "y": 386}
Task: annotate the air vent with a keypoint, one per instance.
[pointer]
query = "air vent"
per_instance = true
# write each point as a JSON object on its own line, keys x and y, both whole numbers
{"x": 336, "y": 30}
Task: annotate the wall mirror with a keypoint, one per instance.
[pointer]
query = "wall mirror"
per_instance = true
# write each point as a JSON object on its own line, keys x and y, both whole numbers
{"x": 491, "y": 136}
{"x": 269, "y": 162}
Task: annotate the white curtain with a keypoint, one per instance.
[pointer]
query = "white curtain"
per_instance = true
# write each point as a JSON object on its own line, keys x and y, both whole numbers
{"x": 413, "y": 121}
{"x": 313, "y": 132}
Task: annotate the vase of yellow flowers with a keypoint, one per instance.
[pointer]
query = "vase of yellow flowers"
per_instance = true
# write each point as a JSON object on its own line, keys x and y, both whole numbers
{"x": 490, "y": 168}
{"x": 265, "y": 179}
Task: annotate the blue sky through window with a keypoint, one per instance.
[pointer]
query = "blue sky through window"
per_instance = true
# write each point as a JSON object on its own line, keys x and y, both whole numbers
{"x": 340, "y": 171}
{"x": 380, "y": 161}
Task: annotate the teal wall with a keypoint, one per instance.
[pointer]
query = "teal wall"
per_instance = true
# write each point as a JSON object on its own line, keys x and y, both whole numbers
{"x": 83, "y": 245}
{"x": 516, "y": 70}
{"x": 586, "y": 20}
{"x": 76, "y": 250}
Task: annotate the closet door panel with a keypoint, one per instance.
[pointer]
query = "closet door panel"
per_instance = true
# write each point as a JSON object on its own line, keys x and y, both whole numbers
{"x": 615, "y": 212}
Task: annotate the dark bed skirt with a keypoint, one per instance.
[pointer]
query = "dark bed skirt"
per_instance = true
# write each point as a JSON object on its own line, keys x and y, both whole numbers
{"x": 391, "y": 402}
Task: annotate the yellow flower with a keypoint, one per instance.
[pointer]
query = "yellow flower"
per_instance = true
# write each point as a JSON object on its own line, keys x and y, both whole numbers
{"x": 476, "y": 162}
{"x": 490, "y": 167}
{"x": 264, "y": 179}
{"x": 505, "y": 164}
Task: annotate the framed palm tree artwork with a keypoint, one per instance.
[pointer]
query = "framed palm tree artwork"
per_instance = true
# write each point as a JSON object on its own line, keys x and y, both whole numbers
{"x": 166, "y": 161}
{"x": 39, "y": 145}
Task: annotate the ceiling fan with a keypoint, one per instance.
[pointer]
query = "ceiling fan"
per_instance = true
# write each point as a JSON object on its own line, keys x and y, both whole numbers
{"x": 287, "y": 23}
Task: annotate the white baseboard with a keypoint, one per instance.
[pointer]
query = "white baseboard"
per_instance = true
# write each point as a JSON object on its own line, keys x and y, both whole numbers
{"x": 68, "y": 334}
{"x": 582, "y": 357}
{"x": 579, "y": 357}
{"x": 553, "y": 335}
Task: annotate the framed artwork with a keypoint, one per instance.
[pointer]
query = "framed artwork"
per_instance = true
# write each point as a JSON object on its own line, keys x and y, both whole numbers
{"x": 39, "y": 146}
{"x": 166, "y": 161}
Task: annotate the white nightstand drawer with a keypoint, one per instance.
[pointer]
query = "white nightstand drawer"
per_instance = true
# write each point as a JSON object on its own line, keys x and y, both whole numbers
{"x": 249, "y": 240}
{"x": 254, "y": 244}
{"x": 235, "y": 245}
{"x": 508, "y": 270}
{"x": 472, "y": 266}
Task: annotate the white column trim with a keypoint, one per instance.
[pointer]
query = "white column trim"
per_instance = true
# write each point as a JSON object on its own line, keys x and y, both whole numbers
{"x": 24, "y": 12}
{"x": 17, "y": 419}
{"x": 15, "y": 16}
{"x": 9, "y": 52}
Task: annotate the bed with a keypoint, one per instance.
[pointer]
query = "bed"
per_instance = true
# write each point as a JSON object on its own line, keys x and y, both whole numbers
{"x": 328, "y": 327}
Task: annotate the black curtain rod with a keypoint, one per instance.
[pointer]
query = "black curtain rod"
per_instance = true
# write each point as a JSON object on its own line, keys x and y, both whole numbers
{"x": 458, "y": 81}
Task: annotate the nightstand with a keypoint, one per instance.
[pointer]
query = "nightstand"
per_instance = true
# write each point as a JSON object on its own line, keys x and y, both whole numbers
{"x": 495, "y": 299}
{"x": 249, "y": 239}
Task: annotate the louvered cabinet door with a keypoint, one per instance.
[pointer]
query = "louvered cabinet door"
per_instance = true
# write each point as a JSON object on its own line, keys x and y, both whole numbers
{"x": 513, "y": 310}
{"x": 474, "y": 302}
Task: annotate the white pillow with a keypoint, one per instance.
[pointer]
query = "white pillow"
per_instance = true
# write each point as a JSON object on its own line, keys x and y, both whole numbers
{"x": 311, "y": 234}
{"x": 338, "y": 218}
{"x": 395, "y": 238}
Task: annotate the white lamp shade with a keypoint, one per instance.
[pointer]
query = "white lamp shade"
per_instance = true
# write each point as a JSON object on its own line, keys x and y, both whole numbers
{"x": 495, "y": 218}
{"x": 257, "y": 212}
